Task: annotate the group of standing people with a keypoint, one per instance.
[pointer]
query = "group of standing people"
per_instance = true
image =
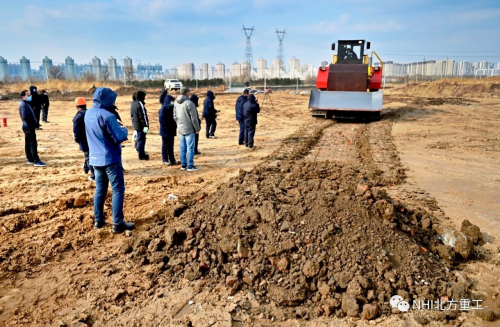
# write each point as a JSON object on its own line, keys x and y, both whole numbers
{"x": 247, "y": 107}
{"x": 100, "y": 133}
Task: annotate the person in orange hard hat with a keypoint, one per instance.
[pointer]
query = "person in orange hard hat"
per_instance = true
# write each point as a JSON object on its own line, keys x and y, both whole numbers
{"x": 80, "y": 136}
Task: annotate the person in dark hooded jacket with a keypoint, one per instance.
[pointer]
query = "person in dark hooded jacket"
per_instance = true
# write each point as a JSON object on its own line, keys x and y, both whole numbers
{"x": 250, "y": 110}
{"x": 45, "y": 104}
{"x": 36, "y": 103}
{"x": 140, "y": 122}
{"x": 194, "y": 99}
{"x": 81, "y": 137}
{"x": 210, "y": 114}
{"x": 239, "y": 115}
{"x": 168, "y": 130}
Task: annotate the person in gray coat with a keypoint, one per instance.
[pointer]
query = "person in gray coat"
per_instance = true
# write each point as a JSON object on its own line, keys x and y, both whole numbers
{"x": 186, "y": 117}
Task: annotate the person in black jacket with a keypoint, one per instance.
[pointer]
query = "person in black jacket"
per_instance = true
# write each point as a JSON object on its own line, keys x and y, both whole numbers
{"x": 140, "y": 122}
{"x": 45, "y": 103}
{"x": 81, "y": 137}
{"x": 239, "y": 115}
{"x": 250, "y": 110}
{"x": 194, "y": 99}
{"x": 36, "y": 104}
{"x": 168, "y": 131}
{"x": 30, "y": 124}
{"x": 210, "y": 114}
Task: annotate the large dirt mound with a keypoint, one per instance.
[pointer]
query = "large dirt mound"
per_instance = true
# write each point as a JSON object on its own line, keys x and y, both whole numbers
{"x": 309, "y": 236}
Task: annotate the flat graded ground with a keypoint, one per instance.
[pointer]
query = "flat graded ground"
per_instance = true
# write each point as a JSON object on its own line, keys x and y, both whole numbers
{"x": 56, "y": 270}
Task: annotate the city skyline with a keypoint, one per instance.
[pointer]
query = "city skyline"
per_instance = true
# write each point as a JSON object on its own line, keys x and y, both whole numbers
{"x": 211, "y": 31}
{"x": 277, "y": 69}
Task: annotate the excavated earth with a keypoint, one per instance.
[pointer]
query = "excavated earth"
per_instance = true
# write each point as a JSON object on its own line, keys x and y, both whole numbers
{"x": 311, "y": 235}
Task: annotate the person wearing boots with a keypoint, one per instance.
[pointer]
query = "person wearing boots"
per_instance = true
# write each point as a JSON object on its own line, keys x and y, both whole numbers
{"x": 194, "y": 99}
{"x": 140, "y": 122}
{"x": 81, "y": 137}
{"x": 30, "y": 124}
{"x": 104, "y": 136}
{"x": 210, "y": 115}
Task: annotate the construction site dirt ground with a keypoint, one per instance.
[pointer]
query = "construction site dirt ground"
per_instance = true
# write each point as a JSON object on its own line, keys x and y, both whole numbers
{"x": 441, "y": 155}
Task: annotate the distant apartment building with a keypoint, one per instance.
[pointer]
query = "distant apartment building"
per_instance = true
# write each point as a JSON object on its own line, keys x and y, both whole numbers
{"x": 294, "y": 65}
{"x": 25, "y": 68}
{"x": 211, "y": 72}
{"x": 149, "y": 71}
{"x": 445, "y": 68}
{"x": 186, "y": 71}
{"x": 204, "y": 70}
{"x": 198, "y": 73}
{"x": 113, "y": 68}
{"x": 4, "y": 69}
{"x": 465, "y": 68}
{"x": 236, "y": 69}
{"x": 127, "y": 62}
{"x": 220, "y": 70}
{"x": 47, "y": 65}
{"x": 261, "y": 68}
{"x": 96, "y": 67}
{"x": 70, "y": 68}
{"x": 483, "y": 65}
{"x": 278, "y": 68}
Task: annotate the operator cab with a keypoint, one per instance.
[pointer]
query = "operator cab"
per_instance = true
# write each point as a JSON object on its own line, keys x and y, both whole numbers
{"x": 351, "y": 51}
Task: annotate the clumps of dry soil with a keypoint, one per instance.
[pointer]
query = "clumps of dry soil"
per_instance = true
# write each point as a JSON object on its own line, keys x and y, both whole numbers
{"x": 312, "y": 238}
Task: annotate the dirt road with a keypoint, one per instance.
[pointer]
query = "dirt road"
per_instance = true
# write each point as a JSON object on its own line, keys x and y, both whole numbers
{"x": 56, "y": 270}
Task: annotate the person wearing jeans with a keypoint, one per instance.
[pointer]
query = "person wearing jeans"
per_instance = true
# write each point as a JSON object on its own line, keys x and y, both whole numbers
{"x": 104, "y": 136}
{"x": 194, "y": 99}
{"x": 30, "y": 124}
{"x": 105, "y": 175}
{"x": 186, "y": 144}
{"x": 186, "y": 117}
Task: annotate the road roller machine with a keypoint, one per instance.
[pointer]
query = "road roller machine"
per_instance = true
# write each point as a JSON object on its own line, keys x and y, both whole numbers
{"x": 350, "y": 87}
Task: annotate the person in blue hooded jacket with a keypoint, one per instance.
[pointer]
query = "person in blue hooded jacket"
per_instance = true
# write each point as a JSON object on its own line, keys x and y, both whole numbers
{"x": 30, "y": 124}
{"x": 168, "y": 130}
{"x": 104, "y": 137}
{"x": 239, "y": 115}
{"x": 250, "y": 110}
{"x": 210, "y": 114}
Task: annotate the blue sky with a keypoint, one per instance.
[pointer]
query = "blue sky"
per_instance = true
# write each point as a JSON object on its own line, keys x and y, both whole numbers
{"x": 171, "y": 32}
